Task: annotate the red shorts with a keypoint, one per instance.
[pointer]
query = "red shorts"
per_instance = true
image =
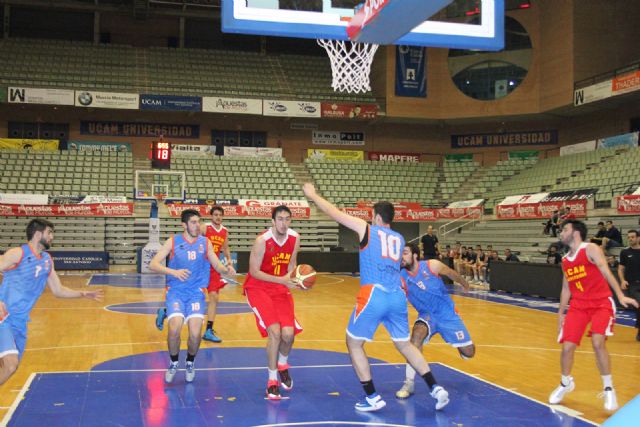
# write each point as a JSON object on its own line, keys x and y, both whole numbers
{"x": 271, "y": 304}
{"x": 600, "y": 313}
{"x": 215, "y": 282}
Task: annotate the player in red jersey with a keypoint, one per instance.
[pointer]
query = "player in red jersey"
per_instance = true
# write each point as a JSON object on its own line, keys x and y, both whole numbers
{"x": 268, "y": 289}
{"x": 218, "y": 235}
{"x": 586, "y": 282}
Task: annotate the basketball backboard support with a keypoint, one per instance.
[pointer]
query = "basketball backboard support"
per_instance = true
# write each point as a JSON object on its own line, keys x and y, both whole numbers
{"x": 154, "y": 184}
{"x": 266, "y": 17}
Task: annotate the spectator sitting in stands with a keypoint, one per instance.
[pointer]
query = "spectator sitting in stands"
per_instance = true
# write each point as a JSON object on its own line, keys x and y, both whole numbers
{"x": 457, "y": 260}
{"x": 567, "y": 214}
{"x": 449, "y": 256}
{"x": 509, "y": 256}
{"x": 493, "y": 256}
{"x": 553, "y": 257}
{"x": 612, "y": 237}
{"x": 602, "y": 231}
{"x": 468, "y": 263}
{"x": 613, "y": 262}
{"x": 479, "y": 268}
{"x": 551, "y": 226}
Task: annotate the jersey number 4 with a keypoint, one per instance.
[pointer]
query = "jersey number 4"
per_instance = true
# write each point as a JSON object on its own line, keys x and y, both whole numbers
{"x": 391, "y": 245}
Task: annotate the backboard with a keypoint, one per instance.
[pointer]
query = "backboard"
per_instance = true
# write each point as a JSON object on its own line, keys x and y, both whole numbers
{"x": 328, "y": 19}
{"x": 151, "y": 184}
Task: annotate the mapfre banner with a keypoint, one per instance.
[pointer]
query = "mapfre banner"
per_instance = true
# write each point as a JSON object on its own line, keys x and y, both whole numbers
{"x": 393, "y": 157}
{"x": 628, "y": 204}
{"x": 542, "y": 210}
{"x": 238, "y": 211}
{"x": 100, "y": 209}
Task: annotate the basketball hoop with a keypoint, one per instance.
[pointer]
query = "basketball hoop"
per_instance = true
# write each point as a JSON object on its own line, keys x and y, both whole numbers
{"x": 159, "y": 197}
{"x": 350, "y": 64}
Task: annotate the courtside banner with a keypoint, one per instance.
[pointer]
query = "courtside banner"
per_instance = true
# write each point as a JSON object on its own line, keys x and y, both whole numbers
{"x": 31, "y": 144}
{"x": 80, "y": 260}
{"x": 542, "y": 210}
{"x": 315, "y": 153}
{"x": 170, "y": 103}
{"x": 505, "y": 139}
{"x": 115, "y": 100}
{"x": 327, "y": 137}
{"x": 274, "y": 107}
{"x": 393, "y": 157}
{"x": 235, "y": 211}
{"x": 139, "y": 130}
{"x": 27, "y": 95}
{"x": 273, "y": 203}
{"x": 629, "y": 204}
{"x": 218, "y": 104}
{"x": 349, "y": 111}
{"x": 192, "y": 150}
{"x": 101, "y": 209}
{"x": 417, "y": 214}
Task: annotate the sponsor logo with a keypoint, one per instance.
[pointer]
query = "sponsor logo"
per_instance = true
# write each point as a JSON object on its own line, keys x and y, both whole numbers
{"x": 85, "y": 98}
{"x": 278, "y": 107}
{"x": 307, "y": 108}
{"x": 152, "y": 102}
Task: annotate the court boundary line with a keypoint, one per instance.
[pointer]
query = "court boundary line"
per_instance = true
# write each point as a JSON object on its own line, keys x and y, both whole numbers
{"x": 19, "y": 397}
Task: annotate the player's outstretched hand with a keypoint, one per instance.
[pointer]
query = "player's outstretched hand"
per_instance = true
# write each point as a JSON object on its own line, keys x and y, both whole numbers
{"x": 231, "y": 271}
{"x": 626, "y": 302}
{"x": 309, "y": 190}
{"x": 3, "y": 311}
{"x": 96, "y": 295}
{"x": 181, "y": 275}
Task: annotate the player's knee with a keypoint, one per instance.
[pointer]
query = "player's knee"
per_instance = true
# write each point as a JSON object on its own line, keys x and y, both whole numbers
{"x": 467, "y": 352}
{"x": 10, "y": 363}
{"x": 274, "y": 332}
{"x": 287, "y": 335}
{"x": 598, "y": 342}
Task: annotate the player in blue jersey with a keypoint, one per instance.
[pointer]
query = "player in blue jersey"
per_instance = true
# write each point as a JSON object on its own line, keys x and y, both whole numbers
{"x": 382, "y": 298}
{"x": 190, "y": 255}
{"x": 27, "y": 269}
{"x": 436, "y": 311}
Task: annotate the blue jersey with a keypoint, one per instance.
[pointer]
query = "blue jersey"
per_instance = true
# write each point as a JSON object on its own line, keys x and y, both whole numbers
{"x": 426, "y": 290}
{"x": 23, "y": 284}
{"x": 193, "y": 257}
{"x": 380, "y": 258}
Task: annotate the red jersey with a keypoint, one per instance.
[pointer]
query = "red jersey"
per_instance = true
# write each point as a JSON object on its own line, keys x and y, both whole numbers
{"x": 586, "y": 282}
{"x": 216, "y": 237}
{"x": 277, "y": 256}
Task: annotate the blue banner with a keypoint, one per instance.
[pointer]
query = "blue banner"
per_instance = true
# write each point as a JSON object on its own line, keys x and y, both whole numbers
{"x": 139, "y": 130}
{"x": 505, "y": 139}
{"x": 410, "y": 71}
{"x": 80, "y": 260}
{"x": 628, "y": 139}
{"x": 170, "y": 103}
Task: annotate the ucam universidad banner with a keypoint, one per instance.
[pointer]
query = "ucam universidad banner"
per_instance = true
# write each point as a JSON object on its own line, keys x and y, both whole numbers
{"x": 505, "y": 139}
{"x": 139, "y": 130}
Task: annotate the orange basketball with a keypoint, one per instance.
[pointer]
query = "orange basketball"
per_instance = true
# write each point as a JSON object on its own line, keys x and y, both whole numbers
{"x": 305, "y": 275}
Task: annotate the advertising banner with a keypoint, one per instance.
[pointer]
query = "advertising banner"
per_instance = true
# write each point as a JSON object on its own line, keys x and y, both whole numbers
{"x": 578, "y": 148}
{"x": 274, "y": 203}
{"x": 626, "y": 83}
{"x": 99, "y": 146}
{"x": 349, "y": 111}
{"x": 541, "y": 210}
{"x": 80, "y": 260}
{"x": 315, "y": 153}
{"x": 466, "y": 203}
{"x": 562, "y": 196}
{"x": 325, "y": 137}
{"x": 418, "y": 214}
{"x": 410, "y": 71}
{"x": 218, "y": 104}
{"x": 192, "y": 150}
{"x": 102, "y": 209}
{"x": 115, "y": 100}
{"x": 233, "y": 211}
{"x": 139, "y": 130}
{"x": 396, "y": 205}
{"x": 629, "y": 204}
{"x": 273, "y": 107}
{"x": 592, "y": 93}
{"x": 505, "y": 139}
{"x": 97, "y": 199}
{"x": 170, "y": 103}
{"x": 26, "y": 95}
{"x": 19, "y": 199}
{"x": 393, "y": 157}
{"x": 627, "y": 139}
{"x": 29, "y": 144}
{"x": 252, "y": 152}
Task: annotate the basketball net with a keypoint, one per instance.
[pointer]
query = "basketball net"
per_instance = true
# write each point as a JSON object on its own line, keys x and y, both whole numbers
{"x": 350, "y": 64}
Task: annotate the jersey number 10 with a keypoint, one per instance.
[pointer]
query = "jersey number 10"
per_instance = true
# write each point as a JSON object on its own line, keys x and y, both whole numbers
{"x": 390, "y": 245}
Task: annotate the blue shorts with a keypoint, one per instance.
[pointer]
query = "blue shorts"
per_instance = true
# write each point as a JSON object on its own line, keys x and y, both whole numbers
{"x": 185, "y": 305}
{"x": 449, "y": 325}
{"x": 13, "y": 338}
{"x": 374, "y": 306}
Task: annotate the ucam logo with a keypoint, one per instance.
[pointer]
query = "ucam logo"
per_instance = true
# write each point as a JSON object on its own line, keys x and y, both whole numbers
{"x": 151, "y": 102}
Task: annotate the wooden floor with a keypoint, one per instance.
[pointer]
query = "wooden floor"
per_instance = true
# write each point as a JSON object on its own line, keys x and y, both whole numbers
{"x": 516, "y": 347}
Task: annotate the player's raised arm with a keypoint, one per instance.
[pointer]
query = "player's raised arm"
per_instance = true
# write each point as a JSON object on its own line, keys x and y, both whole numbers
{"x": 217, "y": 264}
{"x": 356, "y": 224}
{"x": 156, "y": 263}
{"x": 442, "y": 269}
{"x": 596, "y": 256}
{"x": 60, "y": 291}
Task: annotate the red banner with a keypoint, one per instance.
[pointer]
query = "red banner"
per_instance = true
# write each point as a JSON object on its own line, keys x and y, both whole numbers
{"x": 349, "y": 111}
{"x": 628, "y": 204}
{"x": 95, "y": 209}
{"x": 393, "y": 157}
{"x": 541, "y": 210}
{"x": 237, "y": 211}
{"x": 396, "y": 205}
{"x": 627, "y": 83}
{"x": 418, "y": 214}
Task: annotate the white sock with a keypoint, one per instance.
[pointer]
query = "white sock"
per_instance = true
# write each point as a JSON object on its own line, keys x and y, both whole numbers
{"x": 273, "y": 375}
{"x": 410, "y": 373}
{"x": 565, "y": 380}
{"x": 282, "y": 359}
{"x": 607, "y": 381}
